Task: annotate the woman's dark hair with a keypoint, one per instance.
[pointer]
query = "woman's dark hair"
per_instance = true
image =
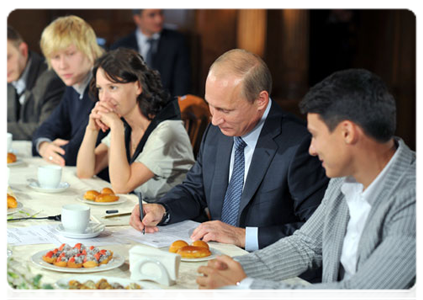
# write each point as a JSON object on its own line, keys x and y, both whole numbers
{"x": 124, "y": 66}
{"x": 356, "y": 95}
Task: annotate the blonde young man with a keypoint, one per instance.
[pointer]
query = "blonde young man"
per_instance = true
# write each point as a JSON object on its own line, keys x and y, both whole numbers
{"x": 70, "y": 46}
{"x": 32, "y": 90}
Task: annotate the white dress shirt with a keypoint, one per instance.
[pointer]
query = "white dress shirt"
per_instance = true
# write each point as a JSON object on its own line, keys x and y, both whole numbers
{"x": 20, "y": 84}
{"x": 251, "y": 138}
{"x": 359, "y": 209}
{"x": 143, "y": 45}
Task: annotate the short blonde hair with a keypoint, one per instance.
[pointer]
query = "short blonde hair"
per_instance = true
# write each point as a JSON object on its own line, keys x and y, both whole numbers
{"x": 66, "y": 31}
{"x": 248, "y": 66}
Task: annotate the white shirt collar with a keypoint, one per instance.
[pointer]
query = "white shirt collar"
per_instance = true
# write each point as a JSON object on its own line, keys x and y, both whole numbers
{"x": 251, "y": 138}
{"x": 80, "y": 88}
{"x": 20, "y": 84}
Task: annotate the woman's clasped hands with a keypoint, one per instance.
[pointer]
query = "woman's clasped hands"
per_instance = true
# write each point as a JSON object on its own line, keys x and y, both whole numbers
{"x": 103, "y": 115}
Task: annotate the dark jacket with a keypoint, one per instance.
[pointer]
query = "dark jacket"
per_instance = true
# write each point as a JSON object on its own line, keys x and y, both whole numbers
{"x": 44, "y": 90}
{"x": 172, "y": 60}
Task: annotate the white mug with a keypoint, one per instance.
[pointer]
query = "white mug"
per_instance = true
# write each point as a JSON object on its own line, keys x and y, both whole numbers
{"x": 9, "y": 141}
{"x": 75, "y": 217}
{"x": 232, "y": 292}
{"x": 49, "y": 176}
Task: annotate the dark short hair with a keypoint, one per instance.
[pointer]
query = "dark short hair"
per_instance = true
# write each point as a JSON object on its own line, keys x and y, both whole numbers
{"x": 137, "y": 11}
{"x": 356, "y": 95}
{"x": 124, "y": 66}
{"x": 14, "y": 36}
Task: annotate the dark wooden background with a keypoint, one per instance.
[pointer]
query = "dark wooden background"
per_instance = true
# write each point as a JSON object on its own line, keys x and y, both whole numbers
{"x": 301, "y": 47}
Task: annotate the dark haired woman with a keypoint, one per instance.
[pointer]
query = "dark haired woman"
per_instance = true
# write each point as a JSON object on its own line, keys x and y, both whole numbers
{"x": 148, "y": 148}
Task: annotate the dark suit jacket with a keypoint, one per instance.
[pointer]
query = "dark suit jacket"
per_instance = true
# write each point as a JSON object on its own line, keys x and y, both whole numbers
{"x": 68, "y": 121}
{"x": 44, "y": 89}
{"x": 172, "y": 60}
{"x": 284, "y": 184}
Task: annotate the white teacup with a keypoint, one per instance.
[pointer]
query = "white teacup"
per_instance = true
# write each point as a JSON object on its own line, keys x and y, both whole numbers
{"x": 49, "y": 176}
{"x": 232, "y": 292}
{"x": 75, "y": 217}
{"x": 9, "y": 141}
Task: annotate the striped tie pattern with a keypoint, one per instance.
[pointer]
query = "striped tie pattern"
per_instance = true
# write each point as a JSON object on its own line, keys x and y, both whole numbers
{"x": 233, "y": 193}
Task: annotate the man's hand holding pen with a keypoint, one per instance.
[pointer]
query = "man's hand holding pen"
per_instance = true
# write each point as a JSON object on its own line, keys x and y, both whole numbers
{"x": 153, "y": 214}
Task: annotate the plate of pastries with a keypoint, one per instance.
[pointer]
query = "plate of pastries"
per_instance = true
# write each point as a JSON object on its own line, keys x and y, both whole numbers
{"x": 77, "y": 259}
{"x": 12, "y": 160}
{"x": 12, "y": 204}
{"x": 95, "y": 282}
{"x": 104, "y": 197}
{"x": 197, "y": 251}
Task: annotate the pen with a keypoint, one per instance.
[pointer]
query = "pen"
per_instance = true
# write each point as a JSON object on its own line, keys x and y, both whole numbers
{"x": 141, "y": 209}
{"x": 114, "y": 211}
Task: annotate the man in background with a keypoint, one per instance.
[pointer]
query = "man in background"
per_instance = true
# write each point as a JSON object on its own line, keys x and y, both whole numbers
{"x": 163, "y": 49}
{"x": 32, "y": 90}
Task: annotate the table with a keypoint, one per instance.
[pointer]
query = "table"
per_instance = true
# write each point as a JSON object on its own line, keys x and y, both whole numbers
{"x": 50, "y": 204}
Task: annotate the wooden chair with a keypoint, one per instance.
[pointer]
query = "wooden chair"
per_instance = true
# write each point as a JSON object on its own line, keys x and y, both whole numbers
{"x": 196, "y": 116}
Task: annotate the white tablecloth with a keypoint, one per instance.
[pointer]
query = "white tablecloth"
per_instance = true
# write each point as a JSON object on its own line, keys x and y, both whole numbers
{"x": 50, "y": 204}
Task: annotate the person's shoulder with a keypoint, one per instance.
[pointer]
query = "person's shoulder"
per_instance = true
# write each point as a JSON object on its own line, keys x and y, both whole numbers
{"x": 171, "y": 34}
{"x": 286, "y": 123}
{"x": 126, "y": 41}
{"x": 50, "y": 76}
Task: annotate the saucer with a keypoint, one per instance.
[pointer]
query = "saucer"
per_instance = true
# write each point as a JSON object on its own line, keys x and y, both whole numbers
{"x": 62, "y": 187}
{"x": 92, "y": 230}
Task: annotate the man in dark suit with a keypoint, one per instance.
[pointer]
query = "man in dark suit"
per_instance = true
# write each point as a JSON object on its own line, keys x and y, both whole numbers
{"x": 283, "y": 183}
{"x": 32, "y": 90}
{"x": 163, "y": 50}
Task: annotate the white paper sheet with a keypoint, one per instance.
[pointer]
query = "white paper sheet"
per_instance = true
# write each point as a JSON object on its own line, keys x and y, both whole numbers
{"x": 164, "y": 237}
{"x": 47, "y": 234}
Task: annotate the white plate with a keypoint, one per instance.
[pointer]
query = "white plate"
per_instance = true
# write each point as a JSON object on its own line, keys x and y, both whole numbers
{"x": 64, "y": 282}
{"x": 92, "y": 231}
{"x": 114, "y": 263}
{"x": 13, "y": 210}
{"x": 16, "y": 163}
{"x": 62, "y": 187}
{"x": 122, "y": 199}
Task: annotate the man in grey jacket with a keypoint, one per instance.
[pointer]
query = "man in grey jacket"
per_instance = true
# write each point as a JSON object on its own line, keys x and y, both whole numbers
{"x": 364, "y": 231}
{"x": 32, "y": 90}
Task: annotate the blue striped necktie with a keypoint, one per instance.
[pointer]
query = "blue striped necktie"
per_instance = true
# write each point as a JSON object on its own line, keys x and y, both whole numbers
{"x": 233, "y": 193}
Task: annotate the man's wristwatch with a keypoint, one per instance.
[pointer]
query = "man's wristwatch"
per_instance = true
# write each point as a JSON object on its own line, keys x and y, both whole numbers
{"x": 166, "y": 216}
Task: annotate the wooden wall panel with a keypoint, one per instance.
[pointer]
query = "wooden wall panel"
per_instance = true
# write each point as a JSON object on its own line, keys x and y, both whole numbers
{"x": 217, "y": 30}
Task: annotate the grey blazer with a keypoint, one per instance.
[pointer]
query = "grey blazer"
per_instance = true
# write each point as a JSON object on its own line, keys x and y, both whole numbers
{"x": 386, "y": 251}
{"x": 43, "y": 94}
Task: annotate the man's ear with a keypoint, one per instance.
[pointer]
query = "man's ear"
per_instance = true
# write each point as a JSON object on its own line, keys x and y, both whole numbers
{"x": 262, "y": 100}
{"x": 23, "y": 49}
{"x": 350, "y": 132}
{"x": 136, "y": 19}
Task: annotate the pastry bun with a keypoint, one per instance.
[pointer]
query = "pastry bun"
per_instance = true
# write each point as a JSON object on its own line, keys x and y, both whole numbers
{"x": 193, "y": 252}
{"x": 200, "y": 243}
{"x": 11, "y": 202}
{"x": 107, "y": 191}
{"x": 106, "y": 195}
{"x": 106, "y": 198}
{"x": 91, "y": 195}
{"x": 176, "y": 245}
{"x": 11, "y": 158}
